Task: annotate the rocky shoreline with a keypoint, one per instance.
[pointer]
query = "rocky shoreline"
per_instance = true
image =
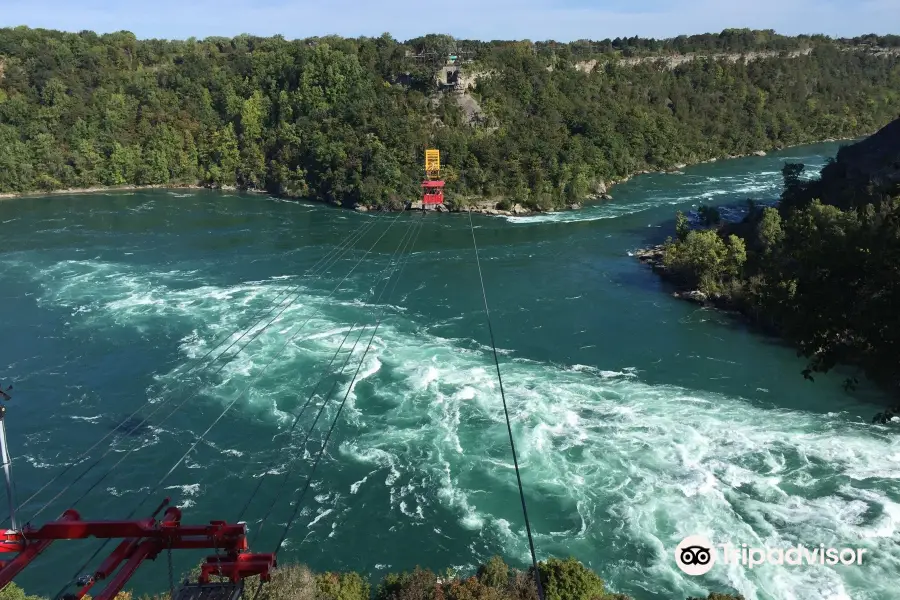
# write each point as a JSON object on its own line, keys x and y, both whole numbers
{"x": 601, "y": 189}
{"x": 112, "y": 188}
{"x": 654, "y": 257}
{"x": 600, "y": 192}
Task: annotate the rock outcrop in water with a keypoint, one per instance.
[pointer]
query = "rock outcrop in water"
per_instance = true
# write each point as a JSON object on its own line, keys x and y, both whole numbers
{"x": 654, "y": 257}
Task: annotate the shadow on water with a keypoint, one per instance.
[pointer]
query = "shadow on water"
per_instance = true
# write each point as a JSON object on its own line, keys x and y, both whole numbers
{"x": 130, "y": 426}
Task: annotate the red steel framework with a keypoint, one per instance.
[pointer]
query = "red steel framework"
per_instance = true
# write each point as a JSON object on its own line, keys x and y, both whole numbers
{"x": 142, "y": 539}
{"x": 434, "y": 192}
{"x": 433, "y": 185}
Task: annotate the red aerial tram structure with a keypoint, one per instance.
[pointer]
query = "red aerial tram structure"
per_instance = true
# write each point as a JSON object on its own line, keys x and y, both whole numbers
{"x": 432, "y": 185}
{"x": 142, "y": 539}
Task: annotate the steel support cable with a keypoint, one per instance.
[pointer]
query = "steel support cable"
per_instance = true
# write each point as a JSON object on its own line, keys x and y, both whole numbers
{"x": 334, "y": 385}
{"x": 319, "y": 383}
{"x": 312, "y": 427}
{"x": 331, "y": 429}
{"x": 334, "y": 422}
{"x": 159, "y": 406}
{"x": 512, "y": 444}
{"x": 354, "y": 236}
{"x": 219, "y": 418}
{"x": 183, "y": 402}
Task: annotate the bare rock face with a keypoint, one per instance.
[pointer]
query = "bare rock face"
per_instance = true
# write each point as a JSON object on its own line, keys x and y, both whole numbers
{"x": 362, "y": 208}
{"x": 759, "y": 153}
{"x": 518, "y": 209}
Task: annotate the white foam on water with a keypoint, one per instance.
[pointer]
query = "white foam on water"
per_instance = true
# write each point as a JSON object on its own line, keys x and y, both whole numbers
{"x": 93, "y": 419}
{"x": 612, "y": 446}
{"x": 37, "y": 463}
{"x": 189, "y": 493}
{"x": 759, "y": 185}
{"x": 354, "y": 488}
{"x": 319, "y": 517}
{"x": 614, "y": 467}
{"x": 136, "y": 299}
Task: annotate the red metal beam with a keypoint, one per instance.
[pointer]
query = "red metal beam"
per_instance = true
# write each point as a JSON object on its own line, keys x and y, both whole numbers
{"x": 115, "y": 585}
{"x": 27, "y": 552}
{"x": 73, "y": 528}
{"x": 238, "y": 566}
{"x": 144, "y": 540}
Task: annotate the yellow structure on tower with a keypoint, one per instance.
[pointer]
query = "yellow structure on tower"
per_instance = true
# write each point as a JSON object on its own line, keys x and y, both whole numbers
{"x": 433, "y": 185}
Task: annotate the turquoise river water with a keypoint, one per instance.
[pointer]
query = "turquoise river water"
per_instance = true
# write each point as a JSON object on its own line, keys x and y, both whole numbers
{"x": 639, "y": 419}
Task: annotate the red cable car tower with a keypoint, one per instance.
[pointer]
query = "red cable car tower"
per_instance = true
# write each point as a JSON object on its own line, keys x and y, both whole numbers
{"x": 142, "y": 539}
{"x": 433, "y": 185}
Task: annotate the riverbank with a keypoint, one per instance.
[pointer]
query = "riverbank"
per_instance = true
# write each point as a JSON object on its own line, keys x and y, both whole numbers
{"x": 124, "y": 302}
{"x": 654, "y": 257}
{"x": 101, "y": 188}
{"x": 600, "y": 192}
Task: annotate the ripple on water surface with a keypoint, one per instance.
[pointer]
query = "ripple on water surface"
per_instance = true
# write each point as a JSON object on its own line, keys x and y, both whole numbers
{"x": 618, "y": 466}
{"x": 617, "y": 470}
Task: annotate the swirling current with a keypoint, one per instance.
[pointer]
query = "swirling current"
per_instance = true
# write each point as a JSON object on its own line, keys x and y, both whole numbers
{"x": 639, "y": 419}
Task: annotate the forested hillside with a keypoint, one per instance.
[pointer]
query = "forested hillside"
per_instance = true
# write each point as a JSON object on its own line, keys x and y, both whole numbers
{"x": 822, "y": 269}
{"x": 346, "y": 120}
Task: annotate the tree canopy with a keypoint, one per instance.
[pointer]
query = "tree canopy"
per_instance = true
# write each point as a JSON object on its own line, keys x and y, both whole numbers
{"x": 822, "y": 269}
{"x": 347, "y": 120}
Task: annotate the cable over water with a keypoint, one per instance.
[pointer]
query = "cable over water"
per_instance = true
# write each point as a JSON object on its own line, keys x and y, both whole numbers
{"x": 321, "y": 451}
{"x": 512, "y": 444}
{"x": 390, "y": 266}
{"x": 328, "y": 260}
{"x": 136, "y": 446}
{"x": 223, "y": 413}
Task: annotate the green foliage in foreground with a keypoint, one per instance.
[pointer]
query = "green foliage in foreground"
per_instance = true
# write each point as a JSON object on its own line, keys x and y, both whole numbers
{"x": 14, "y": 592}
{"x": 825, "y": 276}
{"x": 347, "y": 120}
{"x": 562, "y": 580}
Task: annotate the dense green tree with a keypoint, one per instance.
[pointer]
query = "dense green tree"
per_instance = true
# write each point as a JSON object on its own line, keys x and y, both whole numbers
{"x": 682, "y": 226}
{"x": 709, "y": 215}
{"x": 347, "y": 120}
{"x": 769, "y": 231}
{"x": 823, "y": 275}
